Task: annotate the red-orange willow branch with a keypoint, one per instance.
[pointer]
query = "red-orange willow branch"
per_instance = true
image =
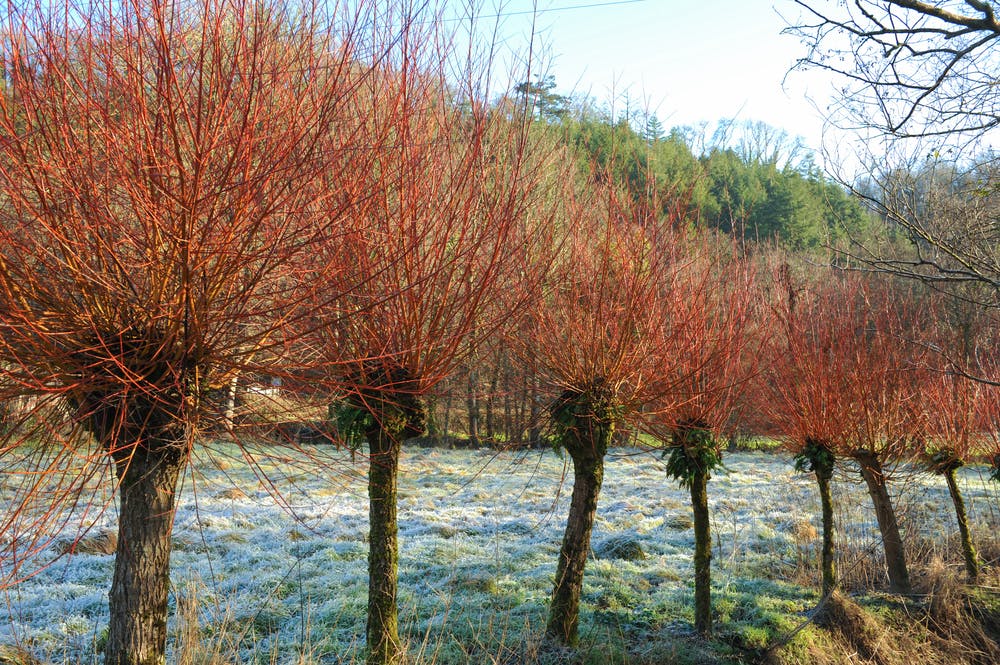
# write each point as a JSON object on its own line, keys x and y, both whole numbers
{"x": 159, "y": 183}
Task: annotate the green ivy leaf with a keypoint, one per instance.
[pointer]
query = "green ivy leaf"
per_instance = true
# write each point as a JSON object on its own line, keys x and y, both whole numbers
{"x": 693, "y": 451}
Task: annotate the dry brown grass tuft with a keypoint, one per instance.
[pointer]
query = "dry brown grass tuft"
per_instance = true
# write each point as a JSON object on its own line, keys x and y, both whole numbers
{"x": 946, "y": 623}
{"x": 103, "y": 542}
{"x": 859, "y": 635}
{"x": 960, "y": 624}
{"x": 16, "y": 655}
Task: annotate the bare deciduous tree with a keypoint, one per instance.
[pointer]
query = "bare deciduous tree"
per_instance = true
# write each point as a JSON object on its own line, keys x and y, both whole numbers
{"x": 711, "y": 304}
{"x": 592, "y": 335}
{"x": 910, "y": 68}
{"x": 947, "y": 218}
{"x": 921, "y": 76}
{"x": 951, "y": 424}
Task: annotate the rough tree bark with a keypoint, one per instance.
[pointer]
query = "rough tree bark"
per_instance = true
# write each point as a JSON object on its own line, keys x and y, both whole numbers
{"x": 693, "y": 453}
{"x": 387, "y": 394}
{"x": 384, "y": 646}
{"x": 829, "y": 565}
{"x": 892, "y": 542}
{"x": 149, "y": 449}
{"x": 587, "y": 443}
{"x": 137, "y": 630}
{"x": 230, "y": 415}
{"x": 968, "y": 549}
{"x": 702, "y": 554}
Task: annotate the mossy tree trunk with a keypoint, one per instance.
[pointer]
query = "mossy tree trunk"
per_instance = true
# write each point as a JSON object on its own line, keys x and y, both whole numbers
{"x": 693, "y": 453}
{"x": 394, "y": 414}
{"x": 968, "y": 549}
{"x": 828, "y": 563}
{"x": 702, "y": 554}
{"x": 817, "y": 456}
{"x": 384, "y": 646}
{"x": 586, "y": 440}
{"x": 892, "y": 542}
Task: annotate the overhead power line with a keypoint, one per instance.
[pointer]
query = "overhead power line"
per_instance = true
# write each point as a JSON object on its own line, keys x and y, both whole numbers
{"x": 592, "y": 5}
{"x": 553, "y": 10}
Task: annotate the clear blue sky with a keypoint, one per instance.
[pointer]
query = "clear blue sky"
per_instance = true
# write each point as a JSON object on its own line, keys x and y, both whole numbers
{"x": 689, "y": 60}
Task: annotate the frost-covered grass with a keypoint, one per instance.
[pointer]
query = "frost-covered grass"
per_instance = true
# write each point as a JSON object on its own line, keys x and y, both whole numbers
{"x": 479, "y": 535}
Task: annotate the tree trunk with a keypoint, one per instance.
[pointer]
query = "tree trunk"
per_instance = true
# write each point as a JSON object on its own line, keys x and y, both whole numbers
{"x": 491, "y": 426}
{"x": 829, "y": 566}
{"x": 587, "y": 448}
{"x": 521, "y": 409}
{"x": 702, "y": 554}
{"x": 472, "y": 403}
{"x": 534, "y": 414}
{"x": 231, "y": 402}
{"x": 446, "y": 425}
{"x": 432, "y": 425}
{"x": 508, "y": 422}
{"x": 892, "y": 542}
{"x": 384, "y": 647}
{"x": 137, "y": 629}
{"x": 968, "y": 549}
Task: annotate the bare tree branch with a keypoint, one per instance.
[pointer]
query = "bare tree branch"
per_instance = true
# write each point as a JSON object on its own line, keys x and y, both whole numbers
{"x": 912, "y": 68}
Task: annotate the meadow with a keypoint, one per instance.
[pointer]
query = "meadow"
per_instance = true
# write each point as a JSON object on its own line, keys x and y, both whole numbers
{"x": 255, "y": 581}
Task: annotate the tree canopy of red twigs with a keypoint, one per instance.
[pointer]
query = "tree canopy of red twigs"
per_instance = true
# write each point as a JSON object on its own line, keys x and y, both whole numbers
{"x": 802, "y": 396}
{"x": 432, "y": 263}
{"x": 159, "y": 185}
{"x": 711, "y": 306}
{"x": 599, "y": 321}
{"x": 714, "y": 311}
{"x": 843, "y": 370}
{"x": 951, "y": 422}
{"x": 953, "y": 427}
{"x": 640, "y": 318}
{"x": 844, "y": 381}
{"x": 591, "y": 333}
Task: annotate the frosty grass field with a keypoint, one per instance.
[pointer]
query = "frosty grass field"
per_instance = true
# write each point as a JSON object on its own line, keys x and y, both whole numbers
{"x": 479, "y": 535}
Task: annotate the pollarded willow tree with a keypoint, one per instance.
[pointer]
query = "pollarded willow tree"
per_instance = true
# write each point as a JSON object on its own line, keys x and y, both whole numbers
{"x": 881, "y": 369}
{"x": 805, "y": 388}
{"x": 158, "y": 179}
{"x": 845, "y": 384}
{"x": 432, "y": 264}
{"x": 799, "y": 390}
{"x": 592, "y": 335}
{"x": 711, "y": 305}
{"x": 952, "y": 424}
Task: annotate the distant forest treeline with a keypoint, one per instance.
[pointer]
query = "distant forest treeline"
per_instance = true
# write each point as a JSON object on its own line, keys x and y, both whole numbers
{"x": 744, "y": 177}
